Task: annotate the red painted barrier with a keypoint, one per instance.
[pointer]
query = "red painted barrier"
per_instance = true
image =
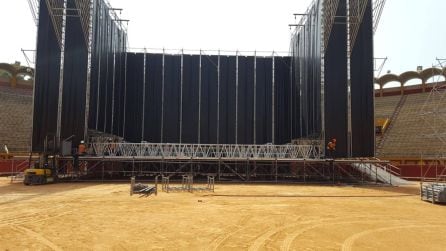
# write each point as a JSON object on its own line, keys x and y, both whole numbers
{"x": 418, "y": 171}
{"x": 13, "y": 166}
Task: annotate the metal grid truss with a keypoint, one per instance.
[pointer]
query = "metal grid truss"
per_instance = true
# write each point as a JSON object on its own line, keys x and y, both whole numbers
{"x": 206, "y": 151}
{"x": 378, "y": 6}
{"x": 356, "y": 13}
{"x": 56, "y": 9}
{"x": 83, "y": 8}
{"x": 329, "y": 9}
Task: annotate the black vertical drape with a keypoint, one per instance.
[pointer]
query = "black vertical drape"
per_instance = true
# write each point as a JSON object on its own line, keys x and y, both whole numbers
{"x": 336, "y": 83}
{"x": 172, "y": 89}
{"x": 263, "y": 94}
{"x": 190, "y": 99}
{"x": 108, "y": 71}
{"x": 46, "y": 88}
{"x": 362, "y": 90}
{"x": 209, "y": 99}
{"x": 282, "y": 99}
{"x": 245, "y": 110}
{"x": 153, "y": 104}
{"x": 74, "y": 78}
{"x": 134, "y": 97}
{"x": 227, "y": 99}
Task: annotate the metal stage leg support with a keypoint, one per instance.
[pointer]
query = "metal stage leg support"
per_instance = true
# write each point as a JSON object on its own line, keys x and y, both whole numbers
{"x": 133, "y": 167}
{"x": 255, "y": 168}
{"x": 276, "y": 167}
{"x": 219, "y": 169}
{"x": 162, "y": 167}
{"x": 132, "y": 185}
{"x": 323, "y": 171}
{"x": 103, "y": 166}
{"x": 247, "y": 170}
{"x": 376, "y": 174}
{"x": 156, "y": 185}
{"x": 362, "y": 176}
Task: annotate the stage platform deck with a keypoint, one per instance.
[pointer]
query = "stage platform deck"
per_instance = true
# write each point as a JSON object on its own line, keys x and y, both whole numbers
{"x": 214, "y": 159}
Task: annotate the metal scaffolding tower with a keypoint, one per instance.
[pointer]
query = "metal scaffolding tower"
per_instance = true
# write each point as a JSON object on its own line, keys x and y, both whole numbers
{"x": 433, "y": 114}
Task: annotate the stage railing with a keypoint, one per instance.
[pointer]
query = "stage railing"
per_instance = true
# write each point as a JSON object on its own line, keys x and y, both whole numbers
{"x": 225, "y": 151}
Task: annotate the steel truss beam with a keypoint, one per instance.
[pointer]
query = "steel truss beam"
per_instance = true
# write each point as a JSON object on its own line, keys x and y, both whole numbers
{"x": 208, "y": 151}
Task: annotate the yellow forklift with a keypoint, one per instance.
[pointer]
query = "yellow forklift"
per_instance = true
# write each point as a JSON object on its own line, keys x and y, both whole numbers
{"x": 43, "y": 173}
{"x": 39, "y": 175}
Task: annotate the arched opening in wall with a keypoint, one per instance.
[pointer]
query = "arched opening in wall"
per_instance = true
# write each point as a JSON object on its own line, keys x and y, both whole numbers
{"x": 377, "y": 86}
{"x": 5, "y": 77}
{"x": 412, "y": 82}
{"x": 391, "y": 84}
{"x": 25, "y": 79}
{"x": 435, "y": 79}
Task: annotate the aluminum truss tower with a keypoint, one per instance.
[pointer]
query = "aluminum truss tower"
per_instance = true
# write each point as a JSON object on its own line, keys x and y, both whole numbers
{"x": 433, "y": 112}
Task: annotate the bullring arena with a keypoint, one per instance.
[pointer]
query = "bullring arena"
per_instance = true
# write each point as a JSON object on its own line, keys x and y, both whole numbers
{"x": 108, "y": 147}
{"x": 249, "y": 217}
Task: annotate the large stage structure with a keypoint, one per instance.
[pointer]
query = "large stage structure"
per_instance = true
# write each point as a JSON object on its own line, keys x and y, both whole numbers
{"x": 254, "y": 105}
{"x": 231, "y": 162}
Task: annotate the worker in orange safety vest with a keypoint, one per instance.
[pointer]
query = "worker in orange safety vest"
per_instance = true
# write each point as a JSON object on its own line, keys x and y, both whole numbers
{"x": 331, "y": 148}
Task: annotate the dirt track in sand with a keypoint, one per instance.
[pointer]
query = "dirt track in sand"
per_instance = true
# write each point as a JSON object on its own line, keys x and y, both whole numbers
{"x": 235, "y": 217}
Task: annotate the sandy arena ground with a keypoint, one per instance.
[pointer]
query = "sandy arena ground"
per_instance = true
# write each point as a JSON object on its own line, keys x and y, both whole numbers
{"x": 236, "y": 217}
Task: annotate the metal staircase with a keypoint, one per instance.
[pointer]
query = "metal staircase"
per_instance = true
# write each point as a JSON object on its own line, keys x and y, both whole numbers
{"x": 387, "y": 174}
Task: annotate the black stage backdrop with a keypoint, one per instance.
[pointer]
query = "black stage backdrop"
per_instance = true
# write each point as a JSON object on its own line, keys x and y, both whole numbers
{"x": 245, "y": 100}
{"x": 134, "y": 97}
{"x": 204, "y": 98}
{"x": 74, "y": 77}
{"x": 118, "y": 103}
{"x": 190, "y": 104}
{"x": 209, "y": 100}
{"x": 336, "y": 83}
{"x": 306, "y": 76}
{"x": 227, "y": 100}
{"x": 108, "y": 69}
{"x": 263, "y": 96}
{"x": 282, "y": 84}
{"x": 46, "y": 85}
{"x": 172, "y": 95}
{"x": 153, "y": 98}
{"x": 223, "y": 112}
{"x": 295, "y": 97}
{"x": 361, "y": 74}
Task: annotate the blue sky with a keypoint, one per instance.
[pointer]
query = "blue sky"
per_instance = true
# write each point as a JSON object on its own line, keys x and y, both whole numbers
{"x": 409, "y": 33}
